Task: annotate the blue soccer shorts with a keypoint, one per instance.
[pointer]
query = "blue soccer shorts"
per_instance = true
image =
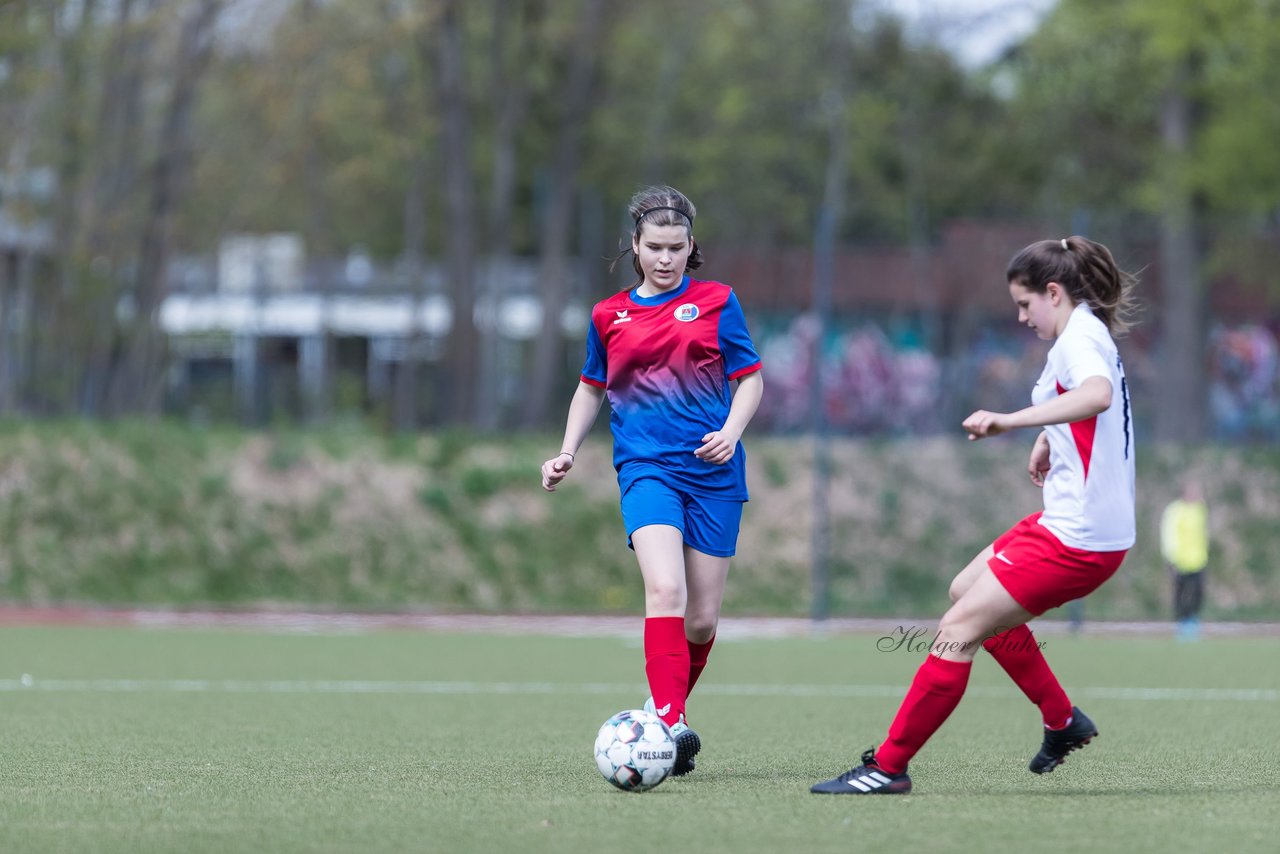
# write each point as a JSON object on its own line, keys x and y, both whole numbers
{"x": 709, "y": 525}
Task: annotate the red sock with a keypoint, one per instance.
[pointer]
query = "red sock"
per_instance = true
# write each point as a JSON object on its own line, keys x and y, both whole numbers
{"x": 666, "y": 663}
{"x": 1018, "y": 653}
{"x": 932, "y": 697}
{"x": 698, "y": 653}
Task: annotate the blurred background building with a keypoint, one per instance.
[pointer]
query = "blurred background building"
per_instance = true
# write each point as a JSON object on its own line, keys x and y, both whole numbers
{"x": 265, "y": 210}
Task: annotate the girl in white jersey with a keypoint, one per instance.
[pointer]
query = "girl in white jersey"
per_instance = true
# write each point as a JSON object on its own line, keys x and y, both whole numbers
{"x": 1071, "y": 292}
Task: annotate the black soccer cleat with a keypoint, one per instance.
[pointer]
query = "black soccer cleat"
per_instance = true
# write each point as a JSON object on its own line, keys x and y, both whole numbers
{"x": 865, "y": 779}
{"x": 687, "y": 746}
{"x": 1059, "y": 742}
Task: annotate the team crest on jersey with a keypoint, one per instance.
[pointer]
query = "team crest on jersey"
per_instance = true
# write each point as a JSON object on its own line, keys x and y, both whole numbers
{"x": 686, "y": 312}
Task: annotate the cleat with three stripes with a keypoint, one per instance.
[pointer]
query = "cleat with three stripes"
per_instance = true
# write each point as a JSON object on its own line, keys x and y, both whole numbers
{"x": 865, "y": 779}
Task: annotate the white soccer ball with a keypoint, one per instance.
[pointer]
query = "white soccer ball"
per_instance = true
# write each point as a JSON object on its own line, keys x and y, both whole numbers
{"x": 635, "y": 750}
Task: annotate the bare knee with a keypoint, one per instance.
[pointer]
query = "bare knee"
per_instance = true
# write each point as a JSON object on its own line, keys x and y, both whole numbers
{"x": 700, "y": 626}
{"x": 664, "y": 598}
{"x": 956, "y": 627}
{"x": 949, "y": 623}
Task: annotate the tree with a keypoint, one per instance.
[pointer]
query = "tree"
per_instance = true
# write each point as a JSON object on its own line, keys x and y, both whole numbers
{"x": 514, "y": 24}
{"x": 414, "y": 151}
{"x": 137, "y": 385}
{"x": 23, "y": 95}
{"x": 1149, "y": 106}
{"x": 557, "y": 222}
{"x": 109, "y": 212}
{"x": 451, "y": 101}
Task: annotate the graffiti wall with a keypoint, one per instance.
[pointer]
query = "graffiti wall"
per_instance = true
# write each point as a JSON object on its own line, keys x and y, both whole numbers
{"x": 1244, "y": 395}
{"x": 879, "y": 378}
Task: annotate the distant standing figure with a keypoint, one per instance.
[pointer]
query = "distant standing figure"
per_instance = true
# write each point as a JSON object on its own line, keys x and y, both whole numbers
{"x": 1184, "y": 542}
{"x": 674, "y": 357}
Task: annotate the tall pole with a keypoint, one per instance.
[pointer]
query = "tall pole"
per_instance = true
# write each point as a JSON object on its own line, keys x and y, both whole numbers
{"x": 1180, "y": 417}
{"x": 831, "y": 213}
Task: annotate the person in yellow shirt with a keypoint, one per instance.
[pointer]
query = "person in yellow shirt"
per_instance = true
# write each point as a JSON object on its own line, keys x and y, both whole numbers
{"x": 1184, "y": 542}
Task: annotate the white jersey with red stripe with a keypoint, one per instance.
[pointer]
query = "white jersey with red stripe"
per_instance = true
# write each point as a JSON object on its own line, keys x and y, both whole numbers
{"x": 1089, "y": 490}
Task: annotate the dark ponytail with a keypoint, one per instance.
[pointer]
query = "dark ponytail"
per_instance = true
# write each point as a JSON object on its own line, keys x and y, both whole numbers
{"x": 1088, "y": 273}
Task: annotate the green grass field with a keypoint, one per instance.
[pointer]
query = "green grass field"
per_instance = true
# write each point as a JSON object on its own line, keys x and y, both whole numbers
{"x": 118, "y": 739}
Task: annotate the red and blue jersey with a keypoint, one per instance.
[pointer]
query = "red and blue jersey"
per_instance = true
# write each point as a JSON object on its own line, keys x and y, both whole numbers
{"x": 665, "y": 363}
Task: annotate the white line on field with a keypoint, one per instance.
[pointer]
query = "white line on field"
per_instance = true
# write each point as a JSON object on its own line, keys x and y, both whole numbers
{"x": 232, "y": 686}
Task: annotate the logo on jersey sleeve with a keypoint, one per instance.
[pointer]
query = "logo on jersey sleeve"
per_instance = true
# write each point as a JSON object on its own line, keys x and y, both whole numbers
{"x": 686, "y": 312}
{"x": 622, "y": 317}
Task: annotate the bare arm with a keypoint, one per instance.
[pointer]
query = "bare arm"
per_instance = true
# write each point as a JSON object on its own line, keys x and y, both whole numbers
{"x": 1090, "y": 398}
{"x": 583, "y": 410}
{"x": 719, "y": 446}
{"x": 1038, "y": 462}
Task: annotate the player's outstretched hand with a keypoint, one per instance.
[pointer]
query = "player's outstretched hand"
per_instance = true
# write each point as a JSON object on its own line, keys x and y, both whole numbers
{"x": 554, "y": 470}
{"x": 717, "y": 447}
{"x": 982, "y": 424}
{"x": 1038, "y": 465}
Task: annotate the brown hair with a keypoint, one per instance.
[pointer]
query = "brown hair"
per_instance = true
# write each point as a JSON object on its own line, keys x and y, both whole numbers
{"x": 1088, "y": 273}
{"x": 660, "y": 205}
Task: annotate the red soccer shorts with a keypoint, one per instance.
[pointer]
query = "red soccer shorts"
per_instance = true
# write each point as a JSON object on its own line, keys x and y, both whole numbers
{"x": 1040, "y": 572}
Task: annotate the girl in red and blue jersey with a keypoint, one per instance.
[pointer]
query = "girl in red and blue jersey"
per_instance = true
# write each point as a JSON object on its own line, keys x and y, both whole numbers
{"x": 1071, "y": 292}
{"x": 674, "y": 357}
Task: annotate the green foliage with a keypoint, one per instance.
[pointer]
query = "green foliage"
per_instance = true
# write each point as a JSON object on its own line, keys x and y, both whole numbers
{"x": 1091, "y": 81}
{"x": 337, "y": 111}
{"x": 286, "y": 452}
{"x": 437, "y": 499}
{"x": 153, "y": 512}
{"x": 776, "y": 470}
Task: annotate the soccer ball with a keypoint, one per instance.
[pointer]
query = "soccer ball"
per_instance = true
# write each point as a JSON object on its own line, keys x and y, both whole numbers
{"x": 635, "y": 750}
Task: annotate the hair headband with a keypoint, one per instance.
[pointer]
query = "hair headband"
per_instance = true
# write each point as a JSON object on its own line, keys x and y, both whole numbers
{"x": 645, "y": 213}
{"x": 1065, "y": 247}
